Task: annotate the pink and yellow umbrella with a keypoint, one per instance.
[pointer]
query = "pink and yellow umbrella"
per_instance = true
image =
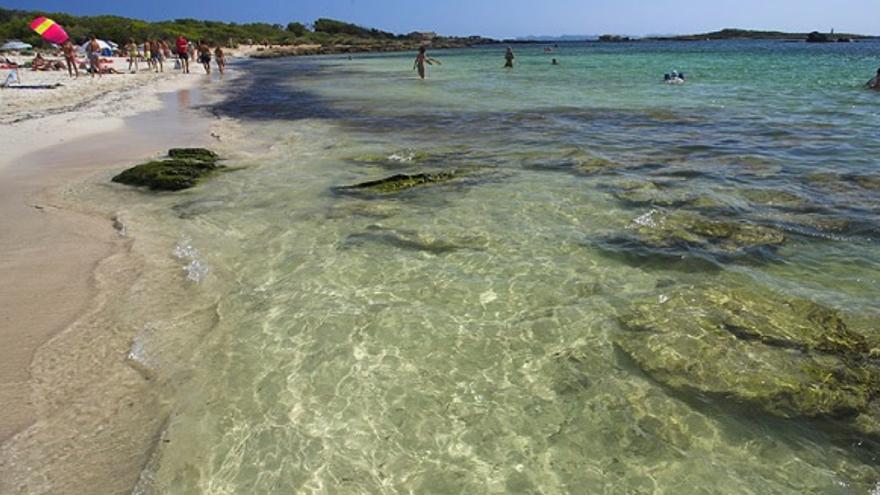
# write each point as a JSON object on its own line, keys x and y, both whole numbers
{"x": 49, "y": 30}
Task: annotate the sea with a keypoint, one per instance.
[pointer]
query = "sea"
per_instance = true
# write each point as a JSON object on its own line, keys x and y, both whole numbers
{"x": 473, "y": 334}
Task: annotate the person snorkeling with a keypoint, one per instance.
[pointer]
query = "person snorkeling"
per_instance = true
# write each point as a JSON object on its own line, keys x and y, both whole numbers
{"x": 421, "y": 59}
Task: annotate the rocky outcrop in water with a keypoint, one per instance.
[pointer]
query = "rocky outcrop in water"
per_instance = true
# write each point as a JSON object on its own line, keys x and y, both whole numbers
{"x": 680, "y": 234}
{"x": 400, "y": 182}
{"x": 788, "y": 357}
{"x": 183, "y": 169}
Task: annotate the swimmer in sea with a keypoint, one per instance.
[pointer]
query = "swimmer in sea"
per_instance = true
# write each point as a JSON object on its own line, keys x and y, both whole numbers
{"x": 554, "y": 62}
{"x": 875, "y": 83}
{"x": 421, "y": 59}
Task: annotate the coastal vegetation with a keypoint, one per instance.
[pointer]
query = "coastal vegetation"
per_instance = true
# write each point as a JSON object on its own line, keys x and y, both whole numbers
{"x": 325, "y": 35}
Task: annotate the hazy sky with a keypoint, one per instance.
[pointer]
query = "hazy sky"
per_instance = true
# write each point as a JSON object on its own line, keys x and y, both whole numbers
{"x": 507, "y": 18}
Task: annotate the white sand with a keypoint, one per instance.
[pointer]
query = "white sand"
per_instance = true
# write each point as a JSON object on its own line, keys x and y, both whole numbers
{"x": 68, "y": 398}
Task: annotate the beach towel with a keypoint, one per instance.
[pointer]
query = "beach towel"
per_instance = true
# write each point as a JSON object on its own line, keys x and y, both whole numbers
{"x": 33, "y": 86}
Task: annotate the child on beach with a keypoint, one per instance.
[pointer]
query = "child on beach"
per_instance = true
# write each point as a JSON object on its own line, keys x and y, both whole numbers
{"x": 221, "y": 59}
{"x": 70, "y": 58}
{"x": 421, "y": 59}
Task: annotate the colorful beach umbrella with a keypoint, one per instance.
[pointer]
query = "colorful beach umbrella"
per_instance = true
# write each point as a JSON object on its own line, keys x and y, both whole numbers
{"x": 49, "y": 30}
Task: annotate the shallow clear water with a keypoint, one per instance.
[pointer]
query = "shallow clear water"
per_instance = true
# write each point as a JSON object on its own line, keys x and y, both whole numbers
{"x": 460, "y": 338}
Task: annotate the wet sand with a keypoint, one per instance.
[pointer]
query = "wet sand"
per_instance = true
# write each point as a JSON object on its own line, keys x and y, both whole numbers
{"x": 77, "y": 418}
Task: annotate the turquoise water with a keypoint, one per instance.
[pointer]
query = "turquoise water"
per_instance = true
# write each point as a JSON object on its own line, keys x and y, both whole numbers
{"x": 466, "y": 337}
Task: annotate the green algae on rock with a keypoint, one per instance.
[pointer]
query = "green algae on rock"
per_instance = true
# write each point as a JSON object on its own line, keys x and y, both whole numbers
{"x": 789, "y": 357}
{"x": 182, "y": 170}
{"x": 401, "y": 182}
{"x": 680, "y": 233}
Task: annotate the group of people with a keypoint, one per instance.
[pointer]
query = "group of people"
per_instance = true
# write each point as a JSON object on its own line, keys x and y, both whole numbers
{"x": 156, "y": 51}
{"x": 153, "y": 51}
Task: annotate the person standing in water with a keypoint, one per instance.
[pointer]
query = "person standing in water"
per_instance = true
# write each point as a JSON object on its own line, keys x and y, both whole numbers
{"x": 70, "y": 58}
{"x": 221, "y": 59}
{"x": 508, "y": 58}
{"x": 421, "y": 59}
{"x": 157, "y": 56}
{"x": 131, "y": 50}
{"x": 183, "y": 53}
{"x": 205, "y": 56}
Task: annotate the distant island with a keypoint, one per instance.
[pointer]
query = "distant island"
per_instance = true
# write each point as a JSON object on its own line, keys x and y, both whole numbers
{"x": 746, "y": 34}
{"x": 296, "y": 38}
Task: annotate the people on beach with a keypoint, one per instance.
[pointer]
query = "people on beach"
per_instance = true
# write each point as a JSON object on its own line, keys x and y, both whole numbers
{"x": 93, "y": 52}
{"x": 421, "y": 59}
{"x": 148, "y": 56}
{"x": 183, "y": 53}
{"x": 508, "y": 58}
{"x": 875, "y": 83}
{"x": 70, "y": 58}
{"x": 131, "y": 50}
{"x": 220, "y": 57}
{"x": 205, "y": 56}
{"x": 157, "y": 55}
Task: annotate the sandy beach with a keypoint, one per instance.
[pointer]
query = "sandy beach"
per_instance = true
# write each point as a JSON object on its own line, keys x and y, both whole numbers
{"x": 57, "y": 259}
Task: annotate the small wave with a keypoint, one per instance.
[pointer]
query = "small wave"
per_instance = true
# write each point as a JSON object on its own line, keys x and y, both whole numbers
{"x": 647, "y": 220}
{"x": 195, "y": 269}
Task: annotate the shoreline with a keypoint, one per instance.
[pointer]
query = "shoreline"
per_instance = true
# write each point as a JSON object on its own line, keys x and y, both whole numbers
{"x": 64, "y": 375}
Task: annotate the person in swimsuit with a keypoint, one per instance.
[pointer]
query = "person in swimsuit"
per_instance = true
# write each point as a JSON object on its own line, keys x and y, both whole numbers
{"x": 508, "y": 58}
{"x": 93, "y": 51}
{"x": 183, "y": 53}
{"x": 205, "y": 56}
{"x": 70, "y": 58}
{"x": 156, "y": 55}
{"x": 421, "y": 59}
{"x": 221, "y": 59}
{"x": 875, "y": 83}
{"x": 132, "y": 50}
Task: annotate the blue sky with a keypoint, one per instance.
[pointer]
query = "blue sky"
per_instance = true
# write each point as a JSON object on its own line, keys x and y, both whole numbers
{"x": 507, "y": 18}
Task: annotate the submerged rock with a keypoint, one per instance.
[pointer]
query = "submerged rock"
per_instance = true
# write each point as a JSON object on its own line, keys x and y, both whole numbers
{"x": 776, "y": 198}
{"x": 401, "y": 182}
{"x": 635, "y": 193}
{"x": 182, "y": 170}
{"x": 681, "y": 233}
{"x": 574, "y": 161}
{"x": 412, "y": 240}
{"x": 198, "y": 154}
{"x": 789, "y": 357}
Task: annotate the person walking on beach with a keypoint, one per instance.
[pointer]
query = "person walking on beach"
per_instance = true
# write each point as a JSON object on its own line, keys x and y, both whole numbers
{"x": 421, "y": 59}
{"x": 205, "y": 56}
{"x": 93, "y": 52}
{"x": 183, "y": 53}
{"x": 508, "y": 58}
{"x": 132, "y": 50}
{"x": 156, "y": 55}
{"x": 875, "y": 83}
{"x": 148, "y": 55}
{"x": 221, "y": 59}
{"x": 70, "y": 58}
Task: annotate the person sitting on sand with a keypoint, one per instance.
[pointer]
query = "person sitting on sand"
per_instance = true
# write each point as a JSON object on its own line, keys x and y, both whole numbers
{"x": 421, "y": 59}
{"x": 39, "y": 63}
{"x": 875, "y": 83}
{"x": 183, "y": 53}
{"x": 205, "y": 56}
{"x": 221, "y": 59}
{"x": 508, "y": 58}
{"x": 93, "y": 51}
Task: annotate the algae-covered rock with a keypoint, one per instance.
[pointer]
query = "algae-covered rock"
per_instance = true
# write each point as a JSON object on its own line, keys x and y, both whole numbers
{"x": 183, "y": 169}
{"x": 682, "y": 233}
{"x": 401, "y": 182}
{"x": 198, "y": 154}
{"x": 576, "y": 161}
{"x": 789, "y": 357}
{"x": 776, "y": 198}
{"x": 635, "y": 193}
